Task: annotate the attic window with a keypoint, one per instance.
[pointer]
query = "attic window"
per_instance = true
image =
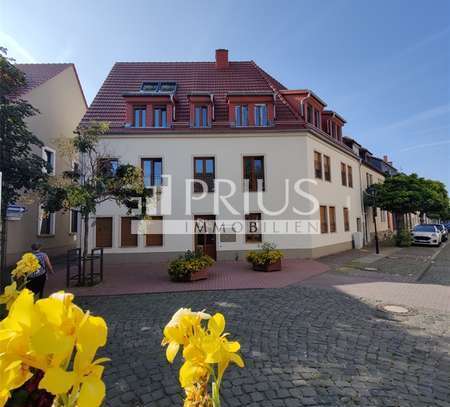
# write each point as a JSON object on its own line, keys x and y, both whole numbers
{"x": 159, "y": 87}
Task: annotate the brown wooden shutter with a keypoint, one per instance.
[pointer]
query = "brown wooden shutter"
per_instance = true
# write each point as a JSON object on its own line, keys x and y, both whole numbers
{"x": 103, "y": 232}
{"x": 127, "y": 239}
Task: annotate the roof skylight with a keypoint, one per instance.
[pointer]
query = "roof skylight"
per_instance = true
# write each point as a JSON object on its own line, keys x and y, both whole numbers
{"x": 159, "y": 87}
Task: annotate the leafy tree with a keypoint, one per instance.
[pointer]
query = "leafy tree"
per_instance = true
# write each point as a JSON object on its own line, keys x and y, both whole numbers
{"x": 94, "y": 182}
{"x": 402, "y": 194}
{"x": 22, "y": 169}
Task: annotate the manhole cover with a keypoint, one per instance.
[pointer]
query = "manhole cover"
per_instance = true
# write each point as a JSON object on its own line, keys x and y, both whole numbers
{"x": 396, "y": 309}
{"x": 394, "y": 312}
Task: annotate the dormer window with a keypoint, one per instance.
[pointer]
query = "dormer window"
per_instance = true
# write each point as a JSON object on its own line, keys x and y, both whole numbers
{"x": 201, "y": 116}
{"x": 139, "y": 116}
{"x": 261, "y": 119}
{"x": 241, "y": 115}
{"x": 309, "y": 114}
{"x": 160, "y": 117}
{"x": 159, "y": 87}
{"x": 317, "y": 118}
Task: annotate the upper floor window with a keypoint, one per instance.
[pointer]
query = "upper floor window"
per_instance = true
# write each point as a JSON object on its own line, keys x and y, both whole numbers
{"x": 201, "y": 116}
{"x": 204, "y": 170}
{"x": 327, "y": 168}
{"x": 160, "y": 116}
{"x": 241, "y": 115}
{"x": 107, "y": 167}
{"x": 254, "y": 173}
{"x": 49, "y": 156}
{"x": 339, "y": 133}
{"x": 317, "y": 165}
{"x": 350, "y": 176}
{"x": 317, "y": 118}
{"x": 309, "y": 114}
{"x": 261, "y": 119}
{"x": 139, "y": 116}
{"x": 152, "y": 171}
{"x": 369, "y": 179}
{"x": 344, "y": 174}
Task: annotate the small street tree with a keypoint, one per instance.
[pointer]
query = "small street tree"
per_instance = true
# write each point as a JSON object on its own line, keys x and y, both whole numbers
{"x": 402, "y": 194}
{"x": 22, "y": 169}
{"x": 96, "y": 180}
{"x": 435, "y": 200}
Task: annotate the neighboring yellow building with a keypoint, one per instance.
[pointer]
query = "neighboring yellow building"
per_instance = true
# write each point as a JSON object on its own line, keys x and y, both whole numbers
{"x": 55, "y": 90}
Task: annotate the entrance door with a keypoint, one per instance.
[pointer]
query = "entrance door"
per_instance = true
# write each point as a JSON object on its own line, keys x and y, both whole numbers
{"x": 103, "y": 232}
{"x": 204, "y": 239}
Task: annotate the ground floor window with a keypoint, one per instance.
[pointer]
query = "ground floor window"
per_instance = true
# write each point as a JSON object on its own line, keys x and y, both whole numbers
{"x": 346, "y": 220}
{"x": 127, "y": 239}
{"x": 46, "y": 223}
{"x": 74, "y": 215}
{"x": 332, "y": 212}
{"x": 323, "y": 219}
{"x": 155, "y": 237}
{"x": 253, "y": 228}
{"x": 103, "y": 232}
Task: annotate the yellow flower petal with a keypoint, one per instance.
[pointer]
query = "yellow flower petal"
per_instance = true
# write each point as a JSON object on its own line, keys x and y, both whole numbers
{"x": 172, "y": 351}
{"x": 92, "y": 392}
{"x": 216, "y": 324}
{"x": 93, "y": 332}
{"x": 57, "y": 380}
{"x": 234, "y": 357}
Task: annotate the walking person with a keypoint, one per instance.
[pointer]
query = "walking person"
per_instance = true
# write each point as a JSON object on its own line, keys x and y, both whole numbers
{"x": 37, "y": 279}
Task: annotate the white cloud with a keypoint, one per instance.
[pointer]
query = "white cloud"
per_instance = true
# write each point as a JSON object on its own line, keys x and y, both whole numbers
{"x": 425, "y": 145}
{"x": 15, "y": 50}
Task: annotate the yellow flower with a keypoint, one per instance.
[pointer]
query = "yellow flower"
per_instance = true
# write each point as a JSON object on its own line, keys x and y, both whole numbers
{"x": 10, "y": 295}
{"x": 28, "y": 264}
{"x": 183, "y": 324}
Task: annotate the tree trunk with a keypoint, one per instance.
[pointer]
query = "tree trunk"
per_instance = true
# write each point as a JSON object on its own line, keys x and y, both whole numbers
{"x": 5, "y": 280}
{"x": 85, "y": 240}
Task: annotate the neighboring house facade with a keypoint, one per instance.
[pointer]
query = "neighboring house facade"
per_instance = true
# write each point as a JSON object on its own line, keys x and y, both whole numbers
{"x": 55, "y": 90}
{"x": 224, "y": 120}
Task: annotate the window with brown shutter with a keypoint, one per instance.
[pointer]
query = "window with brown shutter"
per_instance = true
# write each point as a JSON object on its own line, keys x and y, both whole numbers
{"x": 253, "y": 228}
{"x": 327, "y": 168}
{"x": 155, "y": 238}
{"x": 254, "y": 173}
{"x": 332, "y": 212}
{"x": 204, "y": 170}
{"x": 323, "y": 220}
{"x": 103, "y": 232}
{"x": 346, "y": 220}
{"x": 350, "y": 176}
{"x": 317, "y": 164}
{"x": 344, "y": 174}
{"x": 127, "y": 239}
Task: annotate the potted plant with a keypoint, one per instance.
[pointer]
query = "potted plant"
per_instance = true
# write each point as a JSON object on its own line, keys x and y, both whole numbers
{"x": 191, "y": 266}
{"x": 266, "y": 259}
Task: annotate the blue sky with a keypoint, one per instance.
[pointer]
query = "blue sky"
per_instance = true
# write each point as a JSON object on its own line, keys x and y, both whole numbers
{"x": 383, "y": 65}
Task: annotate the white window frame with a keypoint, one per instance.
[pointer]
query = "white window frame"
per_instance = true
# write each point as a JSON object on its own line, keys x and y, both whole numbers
{"x": 52, "y": 223}
{"x": 44, "y": 157}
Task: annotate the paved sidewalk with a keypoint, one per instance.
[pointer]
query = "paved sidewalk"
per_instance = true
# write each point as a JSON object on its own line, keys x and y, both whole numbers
{"x": 395, "y": 285}
{"x": 224, "y": 275}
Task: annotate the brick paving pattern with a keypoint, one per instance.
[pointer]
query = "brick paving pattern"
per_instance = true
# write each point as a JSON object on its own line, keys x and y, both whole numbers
{"x": 302, "y": 346}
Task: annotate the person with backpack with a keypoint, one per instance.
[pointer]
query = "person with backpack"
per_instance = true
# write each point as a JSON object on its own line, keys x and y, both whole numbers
{"x": 36, "y": 280}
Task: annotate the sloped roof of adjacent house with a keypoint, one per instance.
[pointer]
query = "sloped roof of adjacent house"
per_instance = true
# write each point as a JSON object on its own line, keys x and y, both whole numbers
{"x": 38, "y": 74}
{"x": 239, "y": 76}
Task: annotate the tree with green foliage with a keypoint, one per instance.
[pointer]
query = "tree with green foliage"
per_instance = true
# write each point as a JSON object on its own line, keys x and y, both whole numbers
{"x": 402, "y": 194}
{"x": 22, "y": 169}
{"x": 94, "y": 182}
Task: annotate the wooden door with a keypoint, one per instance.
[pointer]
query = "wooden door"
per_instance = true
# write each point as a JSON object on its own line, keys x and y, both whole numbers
{"x": 203, "y": 238}
{"x": 103, "y": 232}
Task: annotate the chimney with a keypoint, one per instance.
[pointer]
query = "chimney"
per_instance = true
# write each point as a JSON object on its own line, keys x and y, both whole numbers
{"x": 385, "y": 158}
{"x": 221, "y": 58}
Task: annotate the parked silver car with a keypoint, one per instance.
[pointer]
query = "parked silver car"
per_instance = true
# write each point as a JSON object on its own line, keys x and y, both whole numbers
{"x": 426, "y": 234}
{"x": 442, "y": 230}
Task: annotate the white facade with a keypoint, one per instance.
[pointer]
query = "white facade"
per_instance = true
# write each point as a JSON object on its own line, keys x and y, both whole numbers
{"x": 287, "y": 156}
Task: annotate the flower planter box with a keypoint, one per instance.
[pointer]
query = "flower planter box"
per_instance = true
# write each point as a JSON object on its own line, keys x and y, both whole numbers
{"x": 199, "y": 275}
{"x": 268, "y": 267}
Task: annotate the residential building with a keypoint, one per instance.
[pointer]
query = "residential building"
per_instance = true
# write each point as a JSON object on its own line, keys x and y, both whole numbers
{"x": 55, "y": 90}
{"x": 225, "y": 120}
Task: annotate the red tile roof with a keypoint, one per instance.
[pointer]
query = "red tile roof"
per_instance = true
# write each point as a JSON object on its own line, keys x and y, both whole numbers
{"x": 246, "y": 76}
{"x": 37, "y": 74}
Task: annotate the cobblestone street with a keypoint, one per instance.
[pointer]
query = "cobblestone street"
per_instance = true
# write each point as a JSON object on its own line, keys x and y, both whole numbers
{"x": 302, "y": 346}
